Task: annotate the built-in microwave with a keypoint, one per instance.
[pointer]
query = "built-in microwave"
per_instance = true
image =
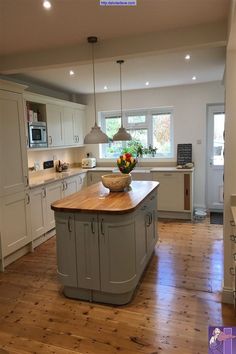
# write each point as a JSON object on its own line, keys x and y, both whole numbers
{"x": 37, "y": 134}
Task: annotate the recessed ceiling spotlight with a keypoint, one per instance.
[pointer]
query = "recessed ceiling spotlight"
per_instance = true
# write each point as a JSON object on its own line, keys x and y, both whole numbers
{"x": 147, "y": 83}
{"x": 194, "y": 78}
{"x": 72, "y": 73}
{"x": 187, "y": 57}
{"x": 47, "y": 5}
{"x": 105, "y": 87}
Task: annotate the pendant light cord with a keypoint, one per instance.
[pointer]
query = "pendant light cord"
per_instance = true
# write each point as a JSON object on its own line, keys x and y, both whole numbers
{"x": 94, "y": 95}
{"x": 121, "y": 101}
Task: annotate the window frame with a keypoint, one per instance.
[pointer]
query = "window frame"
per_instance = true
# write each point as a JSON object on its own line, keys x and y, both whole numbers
{"x": 148, "y": 113}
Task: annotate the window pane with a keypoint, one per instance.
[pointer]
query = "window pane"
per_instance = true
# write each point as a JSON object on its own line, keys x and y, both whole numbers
{"x": 162, "y": 133}
{"x": 112, "y": 150}
{"x": 140, "y": 135}
{"x": 136, "y": 119}
{"x": 219, "y": 123}
{"x": 112, "y": 126}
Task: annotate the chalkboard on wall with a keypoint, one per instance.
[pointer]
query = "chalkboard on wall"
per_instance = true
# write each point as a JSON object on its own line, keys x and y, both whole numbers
{"x": 184, "y": 154}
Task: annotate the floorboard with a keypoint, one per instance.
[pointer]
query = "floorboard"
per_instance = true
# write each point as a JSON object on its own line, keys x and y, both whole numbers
{"x": 178, "y": 298}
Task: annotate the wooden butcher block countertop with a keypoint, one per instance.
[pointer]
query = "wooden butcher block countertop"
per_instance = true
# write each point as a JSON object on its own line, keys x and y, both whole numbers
{"x": 97, "y": 198}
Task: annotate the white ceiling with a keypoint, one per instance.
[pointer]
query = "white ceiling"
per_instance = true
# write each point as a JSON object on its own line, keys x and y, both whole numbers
{"x": 28, "y": 31}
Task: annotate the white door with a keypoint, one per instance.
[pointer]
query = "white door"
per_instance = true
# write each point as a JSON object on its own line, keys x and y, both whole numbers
{"x": 215, "y": 157}
{"x": 54, "y": 125}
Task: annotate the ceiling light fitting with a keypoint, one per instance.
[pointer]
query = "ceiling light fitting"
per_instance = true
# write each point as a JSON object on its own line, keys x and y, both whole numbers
{"x": 122, "y": 134}
{"x": 194, "y": 78}
{"x": 47, "y": 5}
{"x": 96, "y": 135}
{"x": 147, "y": 83}
{"x": 187, "y": 56}
{"x": 72, "y": 73}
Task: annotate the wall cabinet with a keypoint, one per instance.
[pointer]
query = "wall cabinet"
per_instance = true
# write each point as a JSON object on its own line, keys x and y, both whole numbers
{"x": 175, "y": 197}
{"x": 105, "y": 255}
{"x": 54, "y": 114}
{"x": 65, "y": 120}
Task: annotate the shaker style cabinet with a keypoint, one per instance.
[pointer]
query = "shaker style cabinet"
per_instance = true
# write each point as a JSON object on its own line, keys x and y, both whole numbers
{"x": 15, "y": 230}
{"x": 175, "y": 196}
{"x": 13, "y": 154}
{"x": 65, "y": 120}
{"x": 41, "y": 198}
{"x": 105, "y": 254}
{"x": 54, "y": 114}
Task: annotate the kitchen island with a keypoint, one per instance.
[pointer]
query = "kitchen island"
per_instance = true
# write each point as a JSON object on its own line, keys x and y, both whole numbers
{"x": 105, "y": 240}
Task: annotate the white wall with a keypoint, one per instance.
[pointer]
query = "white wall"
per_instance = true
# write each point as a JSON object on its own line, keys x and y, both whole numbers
{"x": 189, "y": 103}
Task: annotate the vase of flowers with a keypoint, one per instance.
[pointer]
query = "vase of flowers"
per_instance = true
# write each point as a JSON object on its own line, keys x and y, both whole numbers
{"x": 126, "y": 163}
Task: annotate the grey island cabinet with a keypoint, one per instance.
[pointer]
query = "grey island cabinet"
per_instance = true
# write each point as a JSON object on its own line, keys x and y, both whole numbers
{"x": 105, "y": 240}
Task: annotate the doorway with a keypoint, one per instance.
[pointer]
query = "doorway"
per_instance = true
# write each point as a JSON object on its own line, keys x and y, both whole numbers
{"x": 215, "y": 157}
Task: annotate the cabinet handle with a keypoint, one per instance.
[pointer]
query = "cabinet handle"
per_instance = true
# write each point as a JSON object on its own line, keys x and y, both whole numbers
{"x": 80, "y": 180}
{"x": 69, "y": 224}
{"x": 78, "y": 138}
{"x": 50, "y": 140}
{"x": 150, "y": 218}
{"x": 231, "y": 271}
{"x": 92, "y": 226}
{"x": 233, "y": 238}
{"x": 232, "y": 223}
{"x": 44, "y": 193}
{"x": 26, "y": 181}
{"x": 27, "y": 198}
{"x": 234, "y": 256}
{"x": 102, "y": 227}
{"x": 152, "y": 197}
{"x": 66, "y": 185}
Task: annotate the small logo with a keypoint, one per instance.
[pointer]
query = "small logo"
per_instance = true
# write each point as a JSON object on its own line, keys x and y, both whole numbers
{"x": 118, "y": 2}
{"x": 221, "y": 340}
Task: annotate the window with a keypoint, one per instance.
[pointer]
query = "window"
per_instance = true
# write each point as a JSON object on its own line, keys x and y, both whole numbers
{"x": 150, "y": 128}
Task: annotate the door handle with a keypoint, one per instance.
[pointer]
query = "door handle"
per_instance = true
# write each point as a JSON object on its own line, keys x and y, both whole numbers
{"x": 44, "y": 192}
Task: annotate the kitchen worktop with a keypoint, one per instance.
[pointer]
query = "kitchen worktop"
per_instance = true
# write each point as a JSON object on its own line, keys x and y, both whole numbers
{"x": 37, "y": 179}
{"x": 97, "y": 198}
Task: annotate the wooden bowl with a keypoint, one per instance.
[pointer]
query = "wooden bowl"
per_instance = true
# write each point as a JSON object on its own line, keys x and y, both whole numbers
{"x": 116, "y": 182}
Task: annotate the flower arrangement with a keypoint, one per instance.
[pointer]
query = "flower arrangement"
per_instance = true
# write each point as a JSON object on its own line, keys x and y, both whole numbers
{"x": 126, "y": 163}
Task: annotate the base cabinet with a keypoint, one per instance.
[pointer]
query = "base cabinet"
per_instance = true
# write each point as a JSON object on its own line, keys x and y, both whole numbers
{"x": 107, "y": 252}
{"x": 16, "y": 230}
{"x": 41, "y": 198}
{"x": 175, "y": 195}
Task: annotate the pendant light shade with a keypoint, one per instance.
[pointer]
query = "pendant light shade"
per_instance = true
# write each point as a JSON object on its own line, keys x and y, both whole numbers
{"x": 96, "y": 135}
{"x": 122, "y": 134}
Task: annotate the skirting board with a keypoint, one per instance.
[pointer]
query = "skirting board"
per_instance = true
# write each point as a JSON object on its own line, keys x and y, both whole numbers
{"x": 174, "y": 215}
{"x": 227, "y": 296}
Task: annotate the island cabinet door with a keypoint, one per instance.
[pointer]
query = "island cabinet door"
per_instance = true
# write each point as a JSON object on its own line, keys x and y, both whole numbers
{"x": 66, "y": 252}
{"x": 117, "y": 253}
{"x": 150, "y": 223}
{"x": 140, "y": 236}
{"x": 87, "y": 249}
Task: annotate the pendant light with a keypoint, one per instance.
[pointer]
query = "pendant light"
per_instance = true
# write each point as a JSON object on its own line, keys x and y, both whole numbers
{"x": 96, "y": 135}
{"x": 122, "y": 134}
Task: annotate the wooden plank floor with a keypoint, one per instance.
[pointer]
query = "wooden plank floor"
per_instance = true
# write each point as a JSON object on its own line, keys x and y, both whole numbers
{"x": 178, "y": 298}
